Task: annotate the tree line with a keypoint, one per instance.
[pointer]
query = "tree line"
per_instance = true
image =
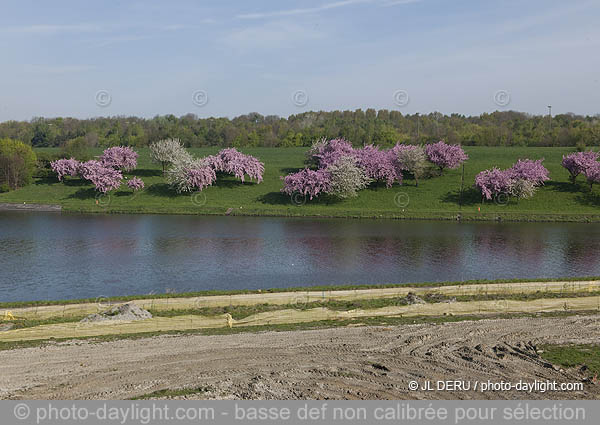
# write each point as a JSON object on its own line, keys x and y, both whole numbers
{"x": 361, "y": 127}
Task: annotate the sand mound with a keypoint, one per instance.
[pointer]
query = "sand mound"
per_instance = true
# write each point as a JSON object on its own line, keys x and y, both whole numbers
{"x": 129, "y": 312}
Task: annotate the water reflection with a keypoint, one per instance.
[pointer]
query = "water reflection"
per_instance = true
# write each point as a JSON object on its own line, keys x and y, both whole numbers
{"x": 581, "y": 253}
{"x": 49, "y": 256}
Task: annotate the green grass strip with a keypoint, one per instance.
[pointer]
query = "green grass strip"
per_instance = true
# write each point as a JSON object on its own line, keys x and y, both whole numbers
{"x": 583, "y": 356}
{"x": 167, "y": 393}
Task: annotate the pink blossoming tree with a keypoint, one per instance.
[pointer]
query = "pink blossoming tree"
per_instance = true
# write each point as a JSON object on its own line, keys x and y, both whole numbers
{"x": 530, "y": 170}
{"x": 308, "y": 182}
{"x": 520, "y": 181}
{"x": 445, "y": 156}
{"x": 578, "y": 162}
{"x": 592, "y": 174}
{"x": 104, "y": 178}
{"x": 231, "y": 161}
{"x": 119, "y": 157}
{"x": 494, "y": 182}
{"x": 135, "y": 183}
{"x": 189, "y": 176}
{"x": 342, "y": 170}
{"x": 65, "y": 167}
{"x": 325, "y": 153}
{"x": 378, "y": 165}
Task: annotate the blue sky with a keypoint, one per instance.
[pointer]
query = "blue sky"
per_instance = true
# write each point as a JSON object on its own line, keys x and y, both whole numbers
{"x": 151, "y": 57}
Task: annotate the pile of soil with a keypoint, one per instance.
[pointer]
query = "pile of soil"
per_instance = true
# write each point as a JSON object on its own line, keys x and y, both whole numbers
{"x": 412, "y": 298}
{"x": 129, "y": 312}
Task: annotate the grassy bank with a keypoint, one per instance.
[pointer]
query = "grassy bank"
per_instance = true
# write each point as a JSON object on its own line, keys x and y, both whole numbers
{"x": 111, "y": 300}
{"x": 435, "y": 198}
{"x": 282, "y": 308}
{"x": 182, "y": 317}
{"x": 239, "y": 312}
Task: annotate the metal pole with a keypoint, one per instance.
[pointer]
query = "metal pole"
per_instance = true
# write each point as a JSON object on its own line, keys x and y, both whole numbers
{"x": 418, "y": 126}
{"x": 462, "y": 185}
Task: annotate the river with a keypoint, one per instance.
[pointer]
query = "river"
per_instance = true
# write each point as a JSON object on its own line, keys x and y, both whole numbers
{"x": 66, "y": 256}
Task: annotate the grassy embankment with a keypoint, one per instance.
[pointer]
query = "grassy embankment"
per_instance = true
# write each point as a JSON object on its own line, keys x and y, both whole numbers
{"x": 435, "y": 198}
{"x": 306, "y": 310}
{"x": 262, "y": 293}
{"x": 242, "y": 311}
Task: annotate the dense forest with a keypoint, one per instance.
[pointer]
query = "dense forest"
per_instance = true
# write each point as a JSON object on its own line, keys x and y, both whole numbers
{"x": 384, "y": 127}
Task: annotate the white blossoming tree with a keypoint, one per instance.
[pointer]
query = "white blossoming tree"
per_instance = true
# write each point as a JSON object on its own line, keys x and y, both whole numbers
{"x": 347, "y": 178}
{"x": 414, "y": 160}
{"x": 167, "y": 152}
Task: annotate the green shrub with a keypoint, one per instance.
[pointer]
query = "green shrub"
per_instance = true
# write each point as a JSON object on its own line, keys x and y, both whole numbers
{"x": 17, "y": 163}
{"x": 43, "y": 169}
{"x": 77, "y": 148}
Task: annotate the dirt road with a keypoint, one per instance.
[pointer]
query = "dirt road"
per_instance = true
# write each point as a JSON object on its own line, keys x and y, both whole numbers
{"x": 341, "y": 363}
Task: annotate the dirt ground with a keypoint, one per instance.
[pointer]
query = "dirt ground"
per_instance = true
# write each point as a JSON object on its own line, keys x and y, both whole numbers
{"x": 339, "y": 363}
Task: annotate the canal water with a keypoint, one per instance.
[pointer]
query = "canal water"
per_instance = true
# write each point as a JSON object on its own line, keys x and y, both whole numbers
{"x": 65, "y": 256}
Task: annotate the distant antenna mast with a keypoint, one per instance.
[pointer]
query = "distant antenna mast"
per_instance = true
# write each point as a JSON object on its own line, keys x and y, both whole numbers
{"x": 550, "y": 115}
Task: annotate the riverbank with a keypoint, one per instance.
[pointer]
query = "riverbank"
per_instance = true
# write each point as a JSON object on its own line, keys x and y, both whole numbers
{"x": 436, "y": 198}
{"x": 30, "y": 207}
{"x": 315, "y": 293}
{"x": 177, "y": 314}
{"x": 262, "y": 341}
{"x": 515, "y": 217}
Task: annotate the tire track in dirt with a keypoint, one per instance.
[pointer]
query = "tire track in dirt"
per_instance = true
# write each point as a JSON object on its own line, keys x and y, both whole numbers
{"x": 348, "y": 363}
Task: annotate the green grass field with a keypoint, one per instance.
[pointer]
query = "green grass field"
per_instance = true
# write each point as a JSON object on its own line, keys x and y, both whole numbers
{"x": 586, "y": 356}
{"x": 435, "y": 198}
